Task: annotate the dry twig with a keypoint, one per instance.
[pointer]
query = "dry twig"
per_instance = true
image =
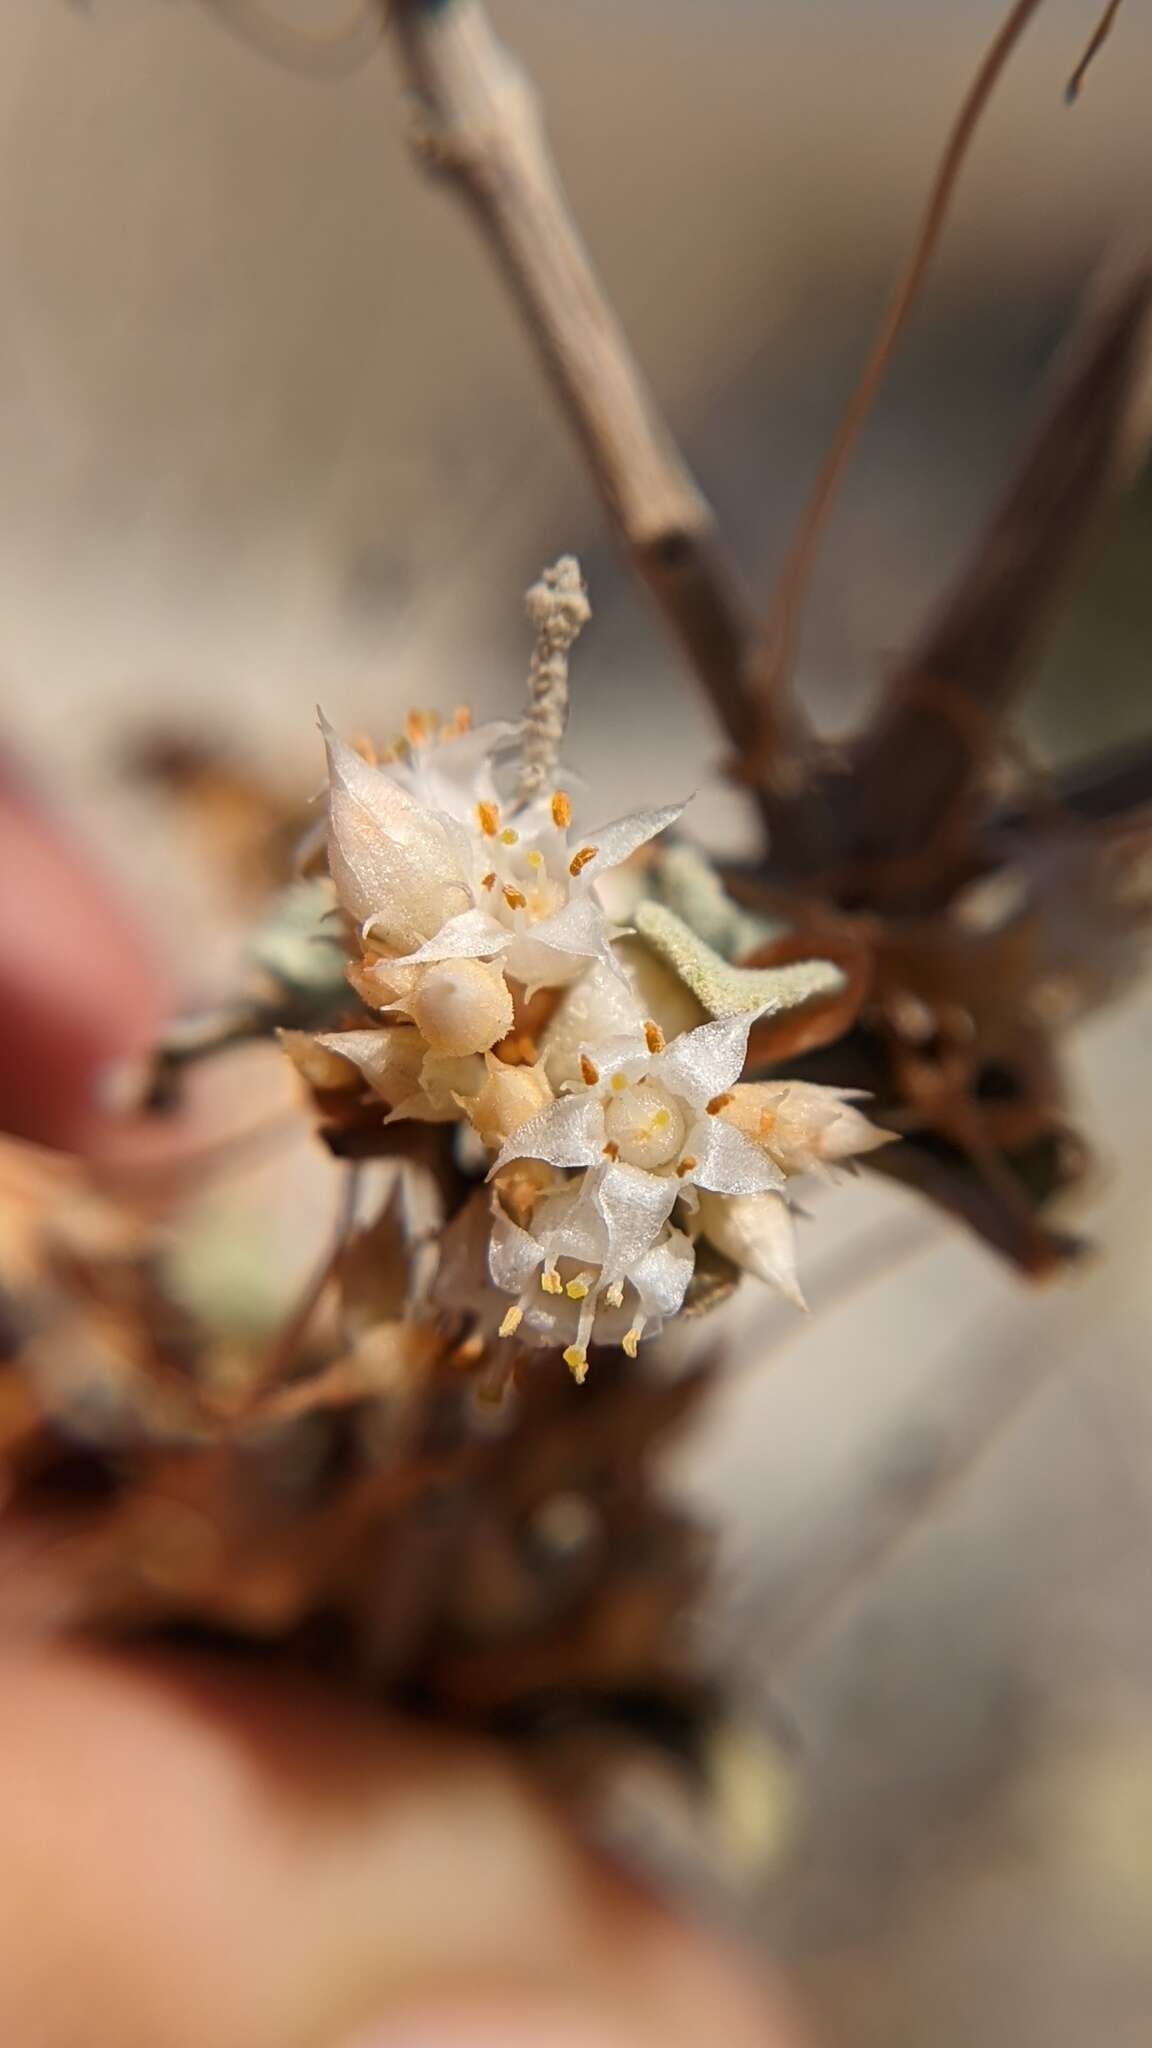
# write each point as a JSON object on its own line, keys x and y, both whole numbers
{"x": 480, "y": 128}
{"x": 943, "y": 703}
{"x": 1096, "y": 41}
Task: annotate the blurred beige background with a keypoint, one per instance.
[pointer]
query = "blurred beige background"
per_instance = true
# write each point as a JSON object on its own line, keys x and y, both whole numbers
{"x": 268, "y": 434}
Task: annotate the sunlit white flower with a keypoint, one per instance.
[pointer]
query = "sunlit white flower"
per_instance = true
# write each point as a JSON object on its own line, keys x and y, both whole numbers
{"x": 598, "y": 1260}
{"x": 644, "y": 1125}
{"x": 435, "y": 871}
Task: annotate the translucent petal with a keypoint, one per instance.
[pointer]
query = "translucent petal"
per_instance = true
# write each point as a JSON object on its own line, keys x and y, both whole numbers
{"x": 728, "y": 1162}
{"x": 540, "y": 966}
{"x": 598, "y": 1007}
{"x": 570, "y": 1133}
{"x": 635, "y": 1206}
{"x": 661, "y": 1277}
{"x": 473, "y": 935}
{"x": 616, "y": 841}
{"x": 570, "y": 1225}
{"x": 580, "y": 927}
{"x": 703, "y": 1063}
{"x": 514, "y": 1255}
{"x": 392, "y": 860}
{"x": 390, "y": 1060}
{"x": 455, "y": 774}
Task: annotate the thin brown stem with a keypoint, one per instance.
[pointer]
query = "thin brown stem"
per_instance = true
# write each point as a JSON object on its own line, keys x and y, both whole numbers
{"x": 775, "y": 656}
{"x": 1096, "y": 41}
{"x": 480, "y": 128}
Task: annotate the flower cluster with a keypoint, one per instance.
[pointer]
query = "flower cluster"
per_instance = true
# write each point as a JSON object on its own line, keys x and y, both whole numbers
{"x": 605, "y": 1103}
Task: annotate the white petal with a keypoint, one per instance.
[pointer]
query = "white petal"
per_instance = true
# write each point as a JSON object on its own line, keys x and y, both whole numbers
{"x": 391, "y": 858}
{"x": 616, "y": 841}
{"x": 661, "y": 1277}
{"x": 756, "y": 1233}
{"x": 390, "y": 1060}
{"x": 473, "y": 935}
{"x": 569, "y": 1224}
{"x": 570, "y": 1133}
{"x": 597, "y": 1007}
{"x": 539, "y": 966}
{"x": 703, "y": 1063}
{"x": 455, "y": 774}
{"x": 635, "y": 1206}
{"x": 728, "y": 1162}
{"x": 580, "y": 927}
{"x": 514, "y": 1254}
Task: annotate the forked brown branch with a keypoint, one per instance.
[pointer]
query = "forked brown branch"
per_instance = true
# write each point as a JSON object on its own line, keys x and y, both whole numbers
{"x": 943, "y": 704}
{"x": 480, "y": 127}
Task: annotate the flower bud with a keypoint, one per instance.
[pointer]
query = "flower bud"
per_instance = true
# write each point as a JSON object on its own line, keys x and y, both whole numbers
{"x": 800, "y": 1124}
{"x": 461, "y": 1006}
{"x": 508, "y": 1097}
{"x": 389, "y": 1060}
{"x": 317, "y": 1063}
{"x": 756, "y": 1233}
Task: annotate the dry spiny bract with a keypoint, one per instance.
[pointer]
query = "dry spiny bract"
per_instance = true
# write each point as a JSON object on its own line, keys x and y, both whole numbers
{"x": 475, "y": 901}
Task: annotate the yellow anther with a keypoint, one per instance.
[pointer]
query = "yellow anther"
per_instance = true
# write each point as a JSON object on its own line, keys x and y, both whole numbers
{"x": 581, "y": 859}
{"x": 488, "y": 881}
{"x": 535, "y": 859}
{"x": 508, "y": 837}
{"x": 630, "y": 1342}
{"x": 687, "y": 1165}
{"x": 589, "y": 1073}
{"x": 619, "y": 1083}
{"x": 654, "y": 1038}
{"x": 576, "y": 1359}
{"x": 417, "y": 726}
{"x": 614, "y": 1295}
{"x": 561, "y": 809}
{"x": 550, "y": 1281}
{"x": 512, "y": 1321}
{"x": 515, "y": 899}
{"x": 611, "y": 1149}
{"x": 576, "y": 1289}
{"x": 461, "y": 719}
{"x": 488, "y": 818}
{"x": 720, "y": 1102}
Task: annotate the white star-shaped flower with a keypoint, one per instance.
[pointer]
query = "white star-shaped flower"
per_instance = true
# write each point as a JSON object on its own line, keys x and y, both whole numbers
{"x": 645, "y": 1127}
{"x": 436, "y": 873}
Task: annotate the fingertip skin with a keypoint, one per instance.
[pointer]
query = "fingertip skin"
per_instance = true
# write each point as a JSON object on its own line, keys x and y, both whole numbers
{"x": 195, "y": 1853}
{"x": 79, "y": 986}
